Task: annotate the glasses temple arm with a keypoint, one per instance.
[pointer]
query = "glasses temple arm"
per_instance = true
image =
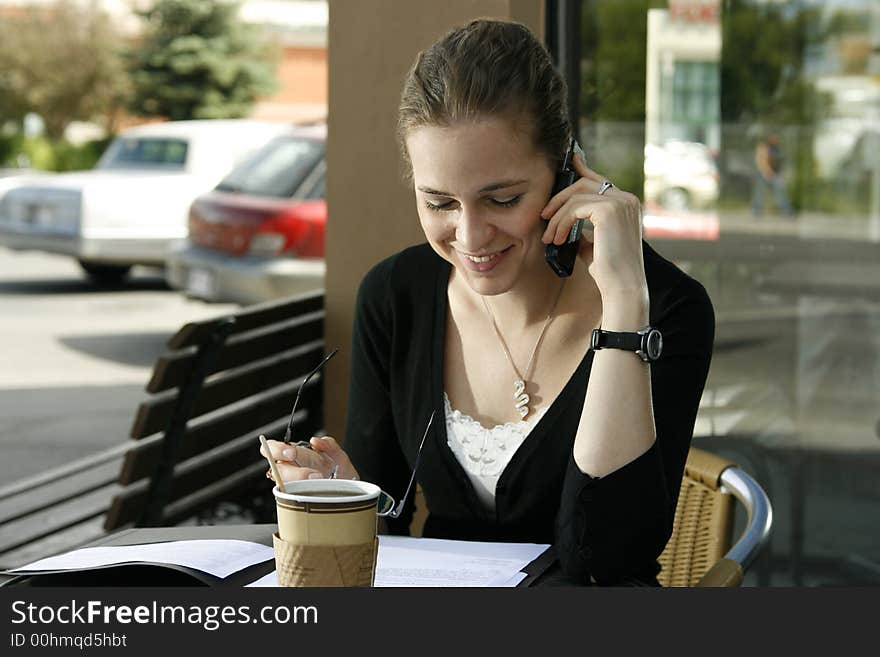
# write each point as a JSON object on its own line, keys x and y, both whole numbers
{"x": 395, "y": 513}
{"x": 287, "y": 433}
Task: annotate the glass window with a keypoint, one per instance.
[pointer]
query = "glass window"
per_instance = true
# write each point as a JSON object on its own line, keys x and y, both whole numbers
{"x": 752, "y": 129}
{"x": 319, "y": 191}
{"x": 145, "y": 152}
{"x": 277, "y": 170}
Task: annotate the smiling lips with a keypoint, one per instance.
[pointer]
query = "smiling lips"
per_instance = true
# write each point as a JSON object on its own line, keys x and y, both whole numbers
{"x": 483, "y": 263}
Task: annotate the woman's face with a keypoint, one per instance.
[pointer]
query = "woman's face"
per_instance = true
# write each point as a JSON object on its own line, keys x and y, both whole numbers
{"x": 480, "y": 188}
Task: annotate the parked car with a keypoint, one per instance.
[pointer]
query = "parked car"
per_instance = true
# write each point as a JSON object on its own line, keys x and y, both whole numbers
{"x": 134, "y": 204}
{"x": 259, "y": 234}
{"x": 680, "y": 175}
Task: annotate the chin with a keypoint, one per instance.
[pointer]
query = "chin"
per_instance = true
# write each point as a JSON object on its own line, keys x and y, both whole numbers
{"x": 487, "y": 287}
{"x": 499, "y": 281}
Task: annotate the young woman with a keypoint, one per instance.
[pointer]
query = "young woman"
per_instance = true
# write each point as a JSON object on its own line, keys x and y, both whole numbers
{"x": 537, "y": 437}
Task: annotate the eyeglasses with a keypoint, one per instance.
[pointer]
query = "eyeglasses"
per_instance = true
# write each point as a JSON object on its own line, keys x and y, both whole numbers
{"x": 387, "y": 509}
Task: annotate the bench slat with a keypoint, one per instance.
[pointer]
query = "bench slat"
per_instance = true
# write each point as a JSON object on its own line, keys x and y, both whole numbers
{"x": 60, "y": 541}
{"x": 189, "y": 478}
{"x": 154, "y": 414}
{"x": 60, "y": 516}
{"x": 69, "y": 469}
{"x": 172, "y": 369}
{"x": 250, "y": 318}
{"x": 141, "y": 460}
{"x": 237, "y": 482}
{"x": 67, "y": 488}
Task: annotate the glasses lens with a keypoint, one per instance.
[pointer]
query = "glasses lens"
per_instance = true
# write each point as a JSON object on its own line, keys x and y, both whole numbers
{"x": 386, "y": 503}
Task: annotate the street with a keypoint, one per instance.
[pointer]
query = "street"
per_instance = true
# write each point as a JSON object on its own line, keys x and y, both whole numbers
{"x": 74, "y": 358}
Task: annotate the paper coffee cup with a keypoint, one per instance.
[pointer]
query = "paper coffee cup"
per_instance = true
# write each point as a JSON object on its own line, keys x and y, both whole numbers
{"x": 327, "y": 512}
{"x": 326, "y": 533}
{"x": 325, "y": 565}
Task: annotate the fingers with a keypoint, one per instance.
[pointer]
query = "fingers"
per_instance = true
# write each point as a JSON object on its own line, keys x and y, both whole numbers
{"x": 583, "y": 185}
{"x": 297, "y": 455}
{"x": 582, "y": 206}
{"x": 328, "y": 445}
{"x": 324, "y": 456}
{"x": 580, "y": 166}
{"x": 276, "y": 448}
{"x": 291, "y": 472}
{"x": 589, "y": 182}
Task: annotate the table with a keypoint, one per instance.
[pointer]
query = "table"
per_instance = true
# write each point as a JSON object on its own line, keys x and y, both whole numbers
{"x": 543, "y": 571}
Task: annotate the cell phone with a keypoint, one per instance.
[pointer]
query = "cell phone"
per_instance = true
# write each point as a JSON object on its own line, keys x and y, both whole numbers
{"x": 561, "y": 257}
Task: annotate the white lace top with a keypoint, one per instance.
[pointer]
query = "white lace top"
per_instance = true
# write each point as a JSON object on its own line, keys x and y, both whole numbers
{"x": 482, "y": 452}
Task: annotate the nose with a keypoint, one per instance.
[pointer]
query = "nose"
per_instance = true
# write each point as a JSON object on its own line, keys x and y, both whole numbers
{"x": 474, "y": 231}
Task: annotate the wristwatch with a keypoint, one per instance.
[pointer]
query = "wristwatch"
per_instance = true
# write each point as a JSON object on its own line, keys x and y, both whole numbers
{"x": 647, "y": 343}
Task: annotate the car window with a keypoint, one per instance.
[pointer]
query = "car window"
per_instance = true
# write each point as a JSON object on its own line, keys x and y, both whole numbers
{"x": 318, "y": 191}
{"x": 277, "y": 170}
{"x": 145, "y": 152}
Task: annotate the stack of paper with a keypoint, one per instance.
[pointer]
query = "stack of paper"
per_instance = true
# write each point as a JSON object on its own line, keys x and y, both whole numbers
{"x": 429, "y": 562}
{"x": 216, "y": 557}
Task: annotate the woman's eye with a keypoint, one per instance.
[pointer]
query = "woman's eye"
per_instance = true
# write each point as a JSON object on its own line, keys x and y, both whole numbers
{"x": 506, "y": 202}
{"x": 440, "y": 207}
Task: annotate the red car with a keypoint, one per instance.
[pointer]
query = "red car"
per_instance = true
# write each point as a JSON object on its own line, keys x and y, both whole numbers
{"x": 259, "y": 234}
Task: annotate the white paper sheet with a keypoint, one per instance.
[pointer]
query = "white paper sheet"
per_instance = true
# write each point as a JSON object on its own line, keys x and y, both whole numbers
{"x": 421, "y": 562}
{"x": 515, "y": 580}
{"x": 271, "y": 579}
{"x": 524, "y": 553}
{"x": 217, "y": 557}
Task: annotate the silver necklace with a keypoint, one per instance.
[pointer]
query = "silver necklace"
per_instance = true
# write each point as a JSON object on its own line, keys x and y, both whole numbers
{"x": 520, "y": 395}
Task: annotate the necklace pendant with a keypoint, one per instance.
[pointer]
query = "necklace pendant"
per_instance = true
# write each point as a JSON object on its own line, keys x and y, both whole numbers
{"x": 522, "y": 399}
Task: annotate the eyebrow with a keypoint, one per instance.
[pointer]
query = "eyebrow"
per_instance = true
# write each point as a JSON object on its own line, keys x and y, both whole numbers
{"x": 503, "y": 184}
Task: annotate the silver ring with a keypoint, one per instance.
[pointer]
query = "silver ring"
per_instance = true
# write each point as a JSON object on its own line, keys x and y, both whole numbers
{"x": 604, "y": 187}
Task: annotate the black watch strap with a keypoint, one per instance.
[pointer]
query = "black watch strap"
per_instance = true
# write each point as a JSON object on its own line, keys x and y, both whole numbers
{"x": 647, "y": 344}
{"x": 614, "y": 340}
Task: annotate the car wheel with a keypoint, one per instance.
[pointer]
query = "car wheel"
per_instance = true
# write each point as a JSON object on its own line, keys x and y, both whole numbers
{"x": 675, "y": 199}
{"x": 105, "y": 274}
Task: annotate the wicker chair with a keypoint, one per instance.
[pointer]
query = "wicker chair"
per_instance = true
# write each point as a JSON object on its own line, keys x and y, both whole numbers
{"x": 699, "y": 552}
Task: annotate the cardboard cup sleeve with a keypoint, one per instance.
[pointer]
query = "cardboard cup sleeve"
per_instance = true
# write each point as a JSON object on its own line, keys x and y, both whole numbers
{"x": 325, "y": 565}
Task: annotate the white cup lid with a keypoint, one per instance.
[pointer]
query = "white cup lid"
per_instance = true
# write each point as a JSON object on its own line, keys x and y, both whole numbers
{"x": 361, "y": 491}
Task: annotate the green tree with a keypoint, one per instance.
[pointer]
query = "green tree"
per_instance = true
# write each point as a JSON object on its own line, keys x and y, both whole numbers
{"x": 614, "y": 36}
{"x": 198, "y": 61}
{"x": 62, "y": 62}
{"x": 762, "y": 59}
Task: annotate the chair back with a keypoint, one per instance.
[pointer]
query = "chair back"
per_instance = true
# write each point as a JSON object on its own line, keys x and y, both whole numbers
{"x": 703, "y": 525}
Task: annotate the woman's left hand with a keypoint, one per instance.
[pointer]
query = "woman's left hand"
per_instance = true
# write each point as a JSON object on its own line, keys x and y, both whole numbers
{"x": 611, "y": 243}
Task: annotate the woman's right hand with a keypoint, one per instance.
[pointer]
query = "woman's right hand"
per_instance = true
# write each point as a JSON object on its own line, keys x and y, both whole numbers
{"x": 296, "y": 462}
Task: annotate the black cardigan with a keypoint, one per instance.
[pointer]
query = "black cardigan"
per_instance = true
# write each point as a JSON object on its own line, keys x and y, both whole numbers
{"x": 611, "y": 528}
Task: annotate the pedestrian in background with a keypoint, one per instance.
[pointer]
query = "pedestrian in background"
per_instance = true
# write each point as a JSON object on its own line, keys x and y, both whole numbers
{"x": 769, "y": 162}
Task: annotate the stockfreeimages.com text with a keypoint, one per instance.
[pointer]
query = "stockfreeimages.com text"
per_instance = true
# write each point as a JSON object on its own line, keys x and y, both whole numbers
{"x": 210, "y": 617}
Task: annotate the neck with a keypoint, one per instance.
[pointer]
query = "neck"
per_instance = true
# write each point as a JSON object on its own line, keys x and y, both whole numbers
{"x": 528, "y": 302}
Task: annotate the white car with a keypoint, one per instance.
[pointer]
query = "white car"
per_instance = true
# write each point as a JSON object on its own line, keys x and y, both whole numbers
{"x": 680, "y": 176}
{"x": 133, "y": 206}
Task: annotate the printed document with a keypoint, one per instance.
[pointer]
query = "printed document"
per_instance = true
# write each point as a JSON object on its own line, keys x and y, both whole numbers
{"x": 220, "y": 558}
{"x": 411, "y": 562}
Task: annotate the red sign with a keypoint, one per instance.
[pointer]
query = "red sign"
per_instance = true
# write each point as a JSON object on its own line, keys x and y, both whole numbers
{"x": 695, "y": 11}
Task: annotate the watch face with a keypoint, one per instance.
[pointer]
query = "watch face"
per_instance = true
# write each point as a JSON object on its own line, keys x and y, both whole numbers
{"x": 654, "y": 344}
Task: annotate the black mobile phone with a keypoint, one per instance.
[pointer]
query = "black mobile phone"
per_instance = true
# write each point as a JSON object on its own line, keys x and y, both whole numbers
{"x": 562, "y": 257}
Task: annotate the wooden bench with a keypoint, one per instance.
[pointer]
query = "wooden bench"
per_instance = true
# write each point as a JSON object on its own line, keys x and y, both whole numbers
{"x": 193, "y": 443}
